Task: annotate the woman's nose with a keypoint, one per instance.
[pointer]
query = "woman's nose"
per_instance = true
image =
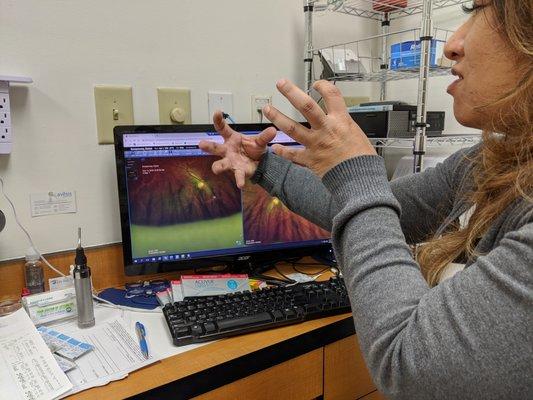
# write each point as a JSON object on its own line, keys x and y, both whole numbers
{"x": 454, "y": 48}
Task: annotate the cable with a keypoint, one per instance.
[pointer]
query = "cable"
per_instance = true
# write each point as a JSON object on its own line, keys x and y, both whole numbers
{"x": 227, "y": 116}
{"x": 26, "y": 232}
{"x": 309, "y": 273}
{"x": 290, "y": 280}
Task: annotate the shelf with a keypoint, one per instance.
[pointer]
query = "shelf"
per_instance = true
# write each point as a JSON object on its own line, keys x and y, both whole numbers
{"x": 431, "y": 142}
{"x": 360, "y": 60}
{"x": 370, "y": 8}
{"x": 389, "y": 75}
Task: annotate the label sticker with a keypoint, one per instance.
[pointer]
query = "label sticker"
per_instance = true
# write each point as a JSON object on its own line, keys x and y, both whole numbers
{"x": 51, "y": 203}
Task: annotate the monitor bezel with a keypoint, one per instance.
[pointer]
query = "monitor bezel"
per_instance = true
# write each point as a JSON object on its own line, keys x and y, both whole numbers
{"x": 240, "y": 258}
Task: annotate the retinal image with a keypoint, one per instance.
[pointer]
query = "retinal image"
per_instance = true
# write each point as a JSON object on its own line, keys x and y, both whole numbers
{"x": 268, "y": 220}
{"x": 179, "y": 205}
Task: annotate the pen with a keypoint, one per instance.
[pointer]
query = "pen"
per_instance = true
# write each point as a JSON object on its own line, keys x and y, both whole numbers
{"x": 141, "y": 334}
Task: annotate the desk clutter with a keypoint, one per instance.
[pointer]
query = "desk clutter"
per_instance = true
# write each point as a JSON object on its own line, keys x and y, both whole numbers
{"x": 53, "y": 362}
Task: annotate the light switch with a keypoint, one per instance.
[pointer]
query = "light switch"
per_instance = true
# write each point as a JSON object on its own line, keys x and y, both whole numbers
{"x": 174, "y": 105}
{"x": 114, "y": 106}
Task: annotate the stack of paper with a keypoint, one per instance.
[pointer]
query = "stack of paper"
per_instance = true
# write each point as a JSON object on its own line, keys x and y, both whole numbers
{"x": 27, "y": 368}
{"x": 115, "y": 353}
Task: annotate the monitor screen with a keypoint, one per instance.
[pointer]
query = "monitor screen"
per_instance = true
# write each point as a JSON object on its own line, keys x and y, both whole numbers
{"x": 177, "y": 214}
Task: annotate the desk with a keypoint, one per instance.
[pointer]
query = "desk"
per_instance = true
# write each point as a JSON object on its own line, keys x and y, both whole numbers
{"x": 314, "y": 359}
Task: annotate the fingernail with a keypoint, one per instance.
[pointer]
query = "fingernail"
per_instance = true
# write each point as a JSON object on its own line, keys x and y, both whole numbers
{"x": 281, "y": 82}
{"x": 266, "y": 109}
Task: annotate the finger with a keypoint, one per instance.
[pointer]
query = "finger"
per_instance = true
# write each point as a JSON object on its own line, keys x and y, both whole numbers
{"x": 265, "y": 137}
{"x": 221, "y": 126}
{"x": 289, "y": 153}
{"x": 220, "y": 166}
{"x": 240, "y": 178}
{"x": 332, "y": 97}
{"x": 292, "y": 128}
{"x": 212, "y": 148}
{"x": 302, "y": 102}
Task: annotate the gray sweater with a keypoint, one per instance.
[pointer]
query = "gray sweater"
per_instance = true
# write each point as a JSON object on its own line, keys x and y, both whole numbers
{"x": 470, "y": 337}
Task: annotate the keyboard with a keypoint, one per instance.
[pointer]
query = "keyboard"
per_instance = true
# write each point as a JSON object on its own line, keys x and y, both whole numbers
{"x": 201, "y": 319}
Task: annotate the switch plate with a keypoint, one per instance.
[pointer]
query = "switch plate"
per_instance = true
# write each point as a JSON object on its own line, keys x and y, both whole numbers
{"x": 220, "y": 101}
{"x": 169, "y": 100}
{"x": 258, "y": 102}
{"x": 114, "y": 106}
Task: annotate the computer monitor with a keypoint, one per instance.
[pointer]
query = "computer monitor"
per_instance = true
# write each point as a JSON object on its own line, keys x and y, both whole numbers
{"x": 176, "y": 214}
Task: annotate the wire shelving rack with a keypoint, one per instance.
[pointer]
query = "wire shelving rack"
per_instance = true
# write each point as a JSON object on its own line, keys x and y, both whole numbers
{"x": 385, "y": 11}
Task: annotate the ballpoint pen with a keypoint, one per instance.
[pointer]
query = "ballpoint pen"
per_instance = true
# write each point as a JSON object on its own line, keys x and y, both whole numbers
{"x": 141, "y": 334}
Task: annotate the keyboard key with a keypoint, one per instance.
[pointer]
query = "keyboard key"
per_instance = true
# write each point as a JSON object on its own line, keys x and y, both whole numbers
{"x": 234, "y": 323}
{"x": 209, "y": 327}
{"x": 197, "y": 329}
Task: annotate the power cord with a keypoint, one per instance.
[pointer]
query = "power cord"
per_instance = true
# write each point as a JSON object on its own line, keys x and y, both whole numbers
{"x": 228, "y": 117}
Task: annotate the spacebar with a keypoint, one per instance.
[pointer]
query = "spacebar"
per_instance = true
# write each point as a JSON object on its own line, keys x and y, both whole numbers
{"x": 242, "y": 322}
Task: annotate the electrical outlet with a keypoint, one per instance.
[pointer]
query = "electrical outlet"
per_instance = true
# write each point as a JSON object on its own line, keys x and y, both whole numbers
{"x": 6, "y": 145}
{"x": 220, "y": 101}
{"x": 114, "y": 106}
{"x": 174, "y": 105}
{"x": 5, "y": 134}
{"x": 4, "y": 102}
{"x": 5, "y": 118}
{"x": 258, "y": 102}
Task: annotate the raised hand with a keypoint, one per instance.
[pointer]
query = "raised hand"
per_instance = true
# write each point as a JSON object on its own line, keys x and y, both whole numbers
{"x": 240, "y": 153}
{"x": 332, "y": 138}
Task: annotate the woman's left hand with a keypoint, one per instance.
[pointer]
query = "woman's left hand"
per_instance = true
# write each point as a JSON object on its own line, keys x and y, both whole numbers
{"x": 333, "y": 137}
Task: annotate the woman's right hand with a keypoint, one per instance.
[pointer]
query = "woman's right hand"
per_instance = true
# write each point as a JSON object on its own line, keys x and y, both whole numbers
{"x": 240, "y": 153}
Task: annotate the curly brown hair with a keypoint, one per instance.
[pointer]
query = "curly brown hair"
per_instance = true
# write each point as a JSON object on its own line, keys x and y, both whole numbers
{"x": 503, "y": 169}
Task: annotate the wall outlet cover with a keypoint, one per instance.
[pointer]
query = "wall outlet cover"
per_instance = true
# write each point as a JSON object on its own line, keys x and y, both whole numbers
{"x": 258, "y": 102}
{"x": 220, "y": 101}
{"x": 114, "y": 106}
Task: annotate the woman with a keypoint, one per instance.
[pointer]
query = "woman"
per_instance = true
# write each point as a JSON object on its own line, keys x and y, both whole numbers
{"x": 466, "y": 337}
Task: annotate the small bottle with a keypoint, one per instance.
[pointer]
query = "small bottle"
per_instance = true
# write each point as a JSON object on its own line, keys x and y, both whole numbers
{"x": 33, "y": 272}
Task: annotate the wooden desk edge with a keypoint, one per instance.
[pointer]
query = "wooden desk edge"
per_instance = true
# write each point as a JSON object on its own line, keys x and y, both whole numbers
{"x": 209, "y": 367}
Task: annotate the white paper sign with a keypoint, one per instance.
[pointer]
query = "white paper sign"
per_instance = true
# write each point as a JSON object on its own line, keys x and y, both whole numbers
{"x": 53, "y": 203}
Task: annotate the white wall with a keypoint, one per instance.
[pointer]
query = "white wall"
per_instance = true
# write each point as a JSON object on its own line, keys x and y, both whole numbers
{"x": 69, "y": 46}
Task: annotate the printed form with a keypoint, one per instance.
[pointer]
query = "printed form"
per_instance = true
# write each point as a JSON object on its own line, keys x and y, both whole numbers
{"x": 116, "y": 353}
{"x": 28, "y": 371}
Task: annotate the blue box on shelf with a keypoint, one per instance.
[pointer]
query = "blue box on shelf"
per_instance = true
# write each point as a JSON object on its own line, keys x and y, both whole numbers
{"x": 406, "y": 55}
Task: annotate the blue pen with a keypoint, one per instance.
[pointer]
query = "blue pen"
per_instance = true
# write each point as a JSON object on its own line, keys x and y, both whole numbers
{"x": 141, "y": 334}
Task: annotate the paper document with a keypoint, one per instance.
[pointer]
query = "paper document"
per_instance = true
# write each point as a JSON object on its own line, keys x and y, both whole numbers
{"x": 116, "y": 352}
{"x": 27, "y": 368}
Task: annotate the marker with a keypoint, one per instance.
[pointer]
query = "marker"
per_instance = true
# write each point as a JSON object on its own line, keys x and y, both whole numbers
{"x": 141, "y": 334}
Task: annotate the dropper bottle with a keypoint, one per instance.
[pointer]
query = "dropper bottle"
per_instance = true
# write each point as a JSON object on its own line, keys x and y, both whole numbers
{"x": 83, "y": 287}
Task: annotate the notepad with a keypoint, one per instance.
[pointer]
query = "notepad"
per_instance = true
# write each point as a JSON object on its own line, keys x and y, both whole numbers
{"x": 27, "y": 368}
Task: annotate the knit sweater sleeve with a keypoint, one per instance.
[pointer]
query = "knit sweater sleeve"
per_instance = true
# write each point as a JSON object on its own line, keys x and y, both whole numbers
{"x": 469, "y": 337}
{"x": 298, "y": 188}
{"x": 425, "y": 198}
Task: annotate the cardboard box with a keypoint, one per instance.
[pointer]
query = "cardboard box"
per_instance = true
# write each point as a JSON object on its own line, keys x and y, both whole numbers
{"x": 406, "y": 55}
